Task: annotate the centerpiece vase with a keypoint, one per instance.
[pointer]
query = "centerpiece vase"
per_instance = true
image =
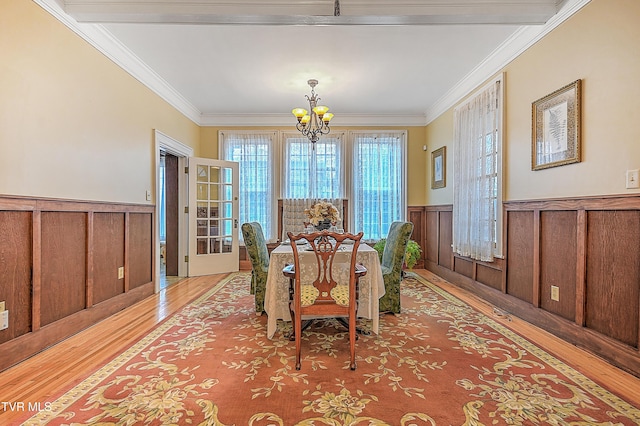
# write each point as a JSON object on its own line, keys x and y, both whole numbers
{"x": 322, "y": 225}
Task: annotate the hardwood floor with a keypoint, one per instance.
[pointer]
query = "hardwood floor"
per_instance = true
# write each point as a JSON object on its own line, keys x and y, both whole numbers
{"x": 42, "y": 377}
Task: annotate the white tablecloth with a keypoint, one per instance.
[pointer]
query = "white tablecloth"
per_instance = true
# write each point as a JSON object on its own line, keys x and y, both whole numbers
{"x": 276, "y": 303}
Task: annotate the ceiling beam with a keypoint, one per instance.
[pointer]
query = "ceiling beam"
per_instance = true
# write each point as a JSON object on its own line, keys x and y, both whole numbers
{"x": 313, "y": 12}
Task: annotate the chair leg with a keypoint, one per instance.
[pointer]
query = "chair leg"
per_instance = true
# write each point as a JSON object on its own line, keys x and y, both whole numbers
{"x": 298, "y": 335}
{"x": 305, "y": 325}
{"x": 296, "y": 322}
{"x": 352, "y": 341}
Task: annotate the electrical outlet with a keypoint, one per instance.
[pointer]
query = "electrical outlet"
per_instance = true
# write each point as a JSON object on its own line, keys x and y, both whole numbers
{"x": 2, "y": 306}
{"x": 555, "y": 293}
{"x": 4, "y": 320}
{"x": 121, "y": 272}
{"x": 633, "y": 179}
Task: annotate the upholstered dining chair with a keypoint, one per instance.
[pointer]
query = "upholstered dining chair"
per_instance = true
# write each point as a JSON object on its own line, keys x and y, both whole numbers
{"x": 330, "y": 288}
{"x": 392, "y": 261}
{"x": 259, "y": 255}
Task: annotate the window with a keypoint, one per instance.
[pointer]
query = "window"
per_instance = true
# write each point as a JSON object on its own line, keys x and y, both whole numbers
{"x": 378, "y": 194}
{"x": 370, "y": 173}
{"x": 310, "y": 172}
{"x": 477, "y": 174}
{"x": 254, "y": 152}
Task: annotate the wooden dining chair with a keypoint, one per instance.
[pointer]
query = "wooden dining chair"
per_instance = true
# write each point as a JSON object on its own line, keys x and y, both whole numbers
{"x": 327, "y": 290}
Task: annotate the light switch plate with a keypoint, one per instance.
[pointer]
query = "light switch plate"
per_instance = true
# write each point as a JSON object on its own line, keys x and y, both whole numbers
{"x": 633, "y": 179}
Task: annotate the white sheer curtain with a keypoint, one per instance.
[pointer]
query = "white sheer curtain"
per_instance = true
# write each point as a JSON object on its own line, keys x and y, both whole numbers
{"x": 476, "y": 147}
{"x": 254, "y": 152}
{"x": 310, "y": 174}
{"x": 379, "y": 196}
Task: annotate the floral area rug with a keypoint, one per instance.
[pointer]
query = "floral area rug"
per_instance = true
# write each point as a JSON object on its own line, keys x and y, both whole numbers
{"x": 439, "y": 362}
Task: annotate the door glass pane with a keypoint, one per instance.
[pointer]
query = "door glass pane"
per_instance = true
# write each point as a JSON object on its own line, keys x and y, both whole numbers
{"x": 202, "y": 228}
{"x": 201, "y": 246}
{"x": 203, "y": 173}
{"x": 214, "y": 210}
{"x": 227, "y": 245}
{"x": 214, "y": 175}
{"x": 203, "y": 190}
{"x": 214, "y": 245}
{"x": 228, "y": 192}
{"x": 228, "y": 175}
{"x": 227, "y": 210}
{"x": 227, "y": 226}
{"x": 214, "y": 191}
{"x": 202, "y": 210}
{"x": 214, "y": 229}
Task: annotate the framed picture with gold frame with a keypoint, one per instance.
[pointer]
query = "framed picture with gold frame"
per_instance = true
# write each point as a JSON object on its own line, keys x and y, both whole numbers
{"x": 439, "y": 168}
{"x": 555, "y": 135}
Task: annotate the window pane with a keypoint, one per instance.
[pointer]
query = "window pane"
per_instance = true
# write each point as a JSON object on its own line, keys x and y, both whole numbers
{"x": 253, "y": 152}
{"x": 378, "y": 183}
{"x": 313, "y": 172}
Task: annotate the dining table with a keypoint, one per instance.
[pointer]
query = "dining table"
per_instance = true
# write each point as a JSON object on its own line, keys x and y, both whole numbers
{"x": 371, "y": 286}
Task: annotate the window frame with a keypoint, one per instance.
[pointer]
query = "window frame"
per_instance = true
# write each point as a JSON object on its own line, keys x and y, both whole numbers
{"x": 403, "y": 135}
{"x": 498, "y": 219}
{"x": 275, "y": 174}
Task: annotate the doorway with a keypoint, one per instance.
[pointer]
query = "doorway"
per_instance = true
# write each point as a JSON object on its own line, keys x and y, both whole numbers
{"x": 169, "y": 219}
{"x": 171, "y": 226}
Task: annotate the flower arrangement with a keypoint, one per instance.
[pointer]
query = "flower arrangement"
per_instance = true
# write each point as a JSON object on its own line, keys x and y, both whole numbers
{"x": 322, "y": 211}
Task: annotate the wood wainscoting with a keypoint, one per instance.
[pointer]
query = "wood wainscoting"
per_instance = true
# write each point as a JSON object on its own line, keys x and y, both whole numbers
{"x": 585, "y": 249}
{"x": 59, "y": 268}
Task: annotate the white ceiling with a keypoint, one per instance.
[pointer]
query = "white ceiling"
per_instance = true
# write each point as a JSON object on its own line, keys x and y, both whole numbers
{"x": 379, "y": 62}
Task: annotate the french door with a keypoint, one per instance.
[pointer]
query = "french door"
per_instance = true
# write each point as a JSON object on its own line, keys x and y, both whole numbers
{"x": 213, "y": 216}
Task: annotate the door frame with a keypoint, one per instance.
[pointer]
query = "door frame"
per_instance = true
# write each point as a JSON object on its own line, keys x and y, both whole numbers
{"x": 183, "y": 152}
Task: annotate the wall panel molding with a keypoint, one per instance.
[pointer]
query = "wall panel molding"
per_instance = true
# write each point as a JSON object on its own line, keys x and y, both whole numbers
{"x": 59, "y": 263}
{"x": 585, "y": 247}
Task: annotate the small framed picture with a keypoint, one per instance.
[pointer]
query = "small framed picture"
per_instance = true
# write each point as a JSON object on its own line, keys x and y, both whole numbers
{"x": 555, "y": 134}
{"x": 439, "y": 168}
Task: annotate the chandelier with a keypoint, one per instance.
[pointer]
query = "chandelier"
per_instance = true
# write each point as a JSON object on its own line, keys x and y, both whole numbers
{"x": 315, "y": 123}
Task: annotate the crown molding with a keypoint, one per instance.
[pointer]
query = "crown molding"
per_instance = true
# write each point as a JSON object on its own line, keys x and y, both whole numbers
{"x": 252, "y": 120}
{"x": 513, "y": 47}
{"x": 103, "y": 41}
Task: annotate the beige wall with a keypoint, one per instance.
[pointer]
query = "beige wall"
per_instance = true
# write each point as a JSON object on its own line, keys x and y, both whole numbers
{"x": 416, "y": 157}
{"x": 72, "y": 123}
{"x": 439, "y": 133}
{"x": 598, "y": 45}
{"x": 75, "y": 125}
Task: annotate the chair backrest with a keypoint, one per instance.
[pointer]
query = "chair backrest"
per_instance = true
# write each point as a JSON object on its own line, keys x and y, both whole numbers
{"x": 396, "y": 245}
{"x": 327, "y": 298}
{"x": 291, "y": 216}
{"x": 256, "y": 246}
